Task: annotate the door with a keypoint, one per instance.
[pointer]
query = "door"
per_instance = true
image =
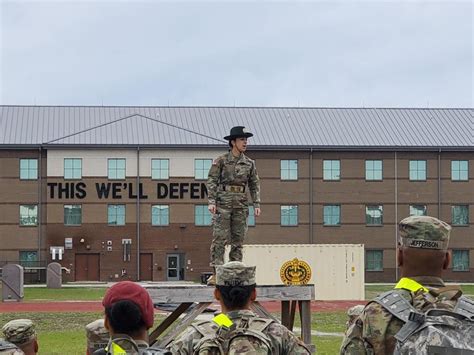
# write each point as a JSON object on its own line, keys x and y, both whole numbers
{"x": 146, "y": 267}
{"x": 87, "y": 267}
{"x": 173, "y": 267}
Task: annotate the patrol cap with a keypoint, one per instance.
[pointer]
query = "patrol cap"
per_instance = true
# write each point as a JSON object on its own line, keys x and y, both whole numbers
{"x": 424, "y": 232}
{"x": 235, "y": 273}
{"x": 130, "y": 291}
{"x": 355, "y": 311}
{"x": 238, "y": 132}
{"x": 19, "y": 331}
{"x": 96, "y": 333}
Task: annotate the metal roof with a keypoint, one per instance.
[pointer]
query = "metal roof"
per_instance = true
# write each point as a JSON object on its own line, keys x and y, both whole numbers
{"x": 342, "y": 128}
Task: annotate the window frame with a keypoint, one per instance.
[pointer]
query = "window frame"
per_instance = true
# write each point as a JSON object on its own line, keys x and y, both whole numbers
{"x": 289, "y": 170}
{"x": 116, "y": 214}
{"x": 116, "y": 169}
{"x": 331, "y": 169}
{"x": 452, "y": 215}
{"x": 204, "y": 208}
{"x": 414, "y": 205}
{"x": 203, "y": 169}
{"x": 373, "y": 170}
{"x": 64, "y": 212}
{"x": 417, "y": 170}
{"x": 73, "y": 169}
{"x": 20, "y": 215}
{"x": 289, "y": 208}
{"x": 380, "y": 252}
{"x": 28, "y": 169}
{"x": 340, "y": 215}
{"x": 159, "y": 216}
{"x": 366, "y": 214}
{"x": 464, "y": 252}
{"x": 160, "y": 169}
{"x": 459, "y": 171}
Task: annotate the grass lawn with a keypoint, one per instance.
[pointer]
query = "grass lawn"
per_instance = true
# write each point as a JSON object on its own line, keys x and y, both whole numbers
{"x": 64, "y": 294}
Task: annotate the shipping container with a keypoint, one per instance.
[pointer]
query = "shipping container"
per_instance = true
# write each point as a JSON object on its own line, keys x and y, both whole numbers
{"x": 336, "y": 270}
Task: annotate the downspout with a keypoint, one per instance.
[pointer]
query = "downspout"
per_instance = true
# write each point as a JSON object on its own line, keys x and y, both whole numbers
{"x": 396, "y": 216}
{"x": 311, "y": 211}
{"x": 40, "y": 210}
{"x": 138, "y": 213}
{"x": 439, "y": 183}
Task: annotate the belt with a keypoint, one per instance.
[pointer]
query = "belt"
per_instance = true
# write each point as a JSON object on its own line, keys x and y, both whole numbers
{"x": 232, "y": 188}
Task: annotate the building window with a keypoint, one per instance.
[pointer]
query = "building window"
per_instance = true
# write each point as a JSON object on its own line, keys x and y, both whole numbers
{"x": 460, "y": 215}
{"x": 28, "y": 169}
{"x": 459, "y": 170}
{"x": 202, "y": 216}
{"x": 72, "y": 168}
{"x": 374, "y": 215}
{"x": 331, "y": 170}
{"x": 160, "y": 215}
{"x": 72, "y": 215}
{"x": 127, "y": 249}
{"x": 116, "y": 215}
{"x": 332, "y": 215}
{"x": 28, "y": 215}
{"x": 374, "y": 260}
{"x": 289, "y": 169}
{"x": 289, "y": 215}
{"x": 201, "y": 168}
{"x": 116, "y": 168}
{"x": 160, "y": 169}
{"x": 417, "y": 170}
{"x": 28, "y": 258}
{"x": 373, "y": 170}
{"x": 460, "y": 260}
{"x": 251, "y": 218}
{"x": 417, "y": 210}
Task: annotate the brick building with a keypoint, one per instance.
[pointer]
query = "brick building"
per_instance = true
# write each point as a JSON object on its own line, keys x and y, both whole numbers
{"x": 70, "y": 190}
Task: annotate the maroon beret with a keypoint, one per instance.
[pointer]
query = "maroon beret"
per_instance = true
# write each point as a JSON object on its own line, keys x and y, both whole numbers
{"x": 130, "y": 291}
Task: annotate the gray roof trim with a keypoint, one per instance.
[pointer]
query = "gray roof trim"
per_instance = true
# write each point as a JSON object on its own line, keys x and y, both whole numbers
{"x": 274, "y": 128}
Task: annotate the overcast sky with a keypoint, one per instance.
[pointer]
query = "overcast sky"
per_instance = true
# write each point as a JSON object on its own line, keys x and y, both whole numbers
{"x": 345, "y": 53}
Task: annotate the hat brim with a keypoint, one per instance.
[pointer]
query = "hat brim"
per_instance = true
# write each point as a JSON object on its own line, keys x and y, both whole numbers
{"x": 245, "y": 135}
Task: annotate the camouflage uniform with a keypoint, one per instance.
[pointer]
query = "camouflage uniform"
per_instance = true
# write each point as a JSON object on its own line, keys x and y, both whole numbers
{"x": 374, "y": 330}
{"x": 7, "y": 348}
{"x": 236, "y": 273}
{"x": 19, "y": 332}
{"x": 97, "y": 336}
{"x": 226, "y": 184}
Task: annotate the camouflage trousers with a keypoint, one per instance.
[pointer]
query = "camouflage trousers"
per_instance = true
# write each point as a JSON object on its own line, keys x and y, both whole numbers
{"x": 229, "y": 228}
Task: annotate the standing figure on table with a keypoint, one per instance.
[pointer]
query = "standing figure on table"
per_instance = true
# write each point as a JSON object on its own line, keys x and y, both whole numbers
{"x": 227, "y": 183}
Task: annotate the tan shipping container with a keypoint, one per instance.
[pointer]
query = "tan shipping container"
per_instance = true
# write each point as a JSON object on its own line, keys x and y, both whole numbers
{"x": 337, "y": 270}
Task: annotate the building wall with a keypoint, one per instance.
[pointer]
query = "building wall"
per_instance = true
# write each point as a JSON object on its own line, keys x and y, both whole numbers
{"x": 395, "y": 192}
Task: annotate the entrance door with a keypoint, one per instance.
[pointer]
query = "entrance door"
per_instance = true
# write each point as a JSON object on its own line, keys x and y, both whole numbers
{"x": 173, "y": 267}
{"x": 87, "y": 267}
{"x": 146, "y": 267}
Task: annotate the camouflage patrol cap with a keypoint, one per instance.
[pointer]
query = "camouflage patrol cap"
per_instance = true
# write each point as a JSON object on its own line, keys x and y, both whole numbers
{"x": 235, "y": 273}
{"x": 355, "y": 311}
{"x": 97, "y": 335}
{"x": 19, "y": 331}
{"x": 424, "y": 232}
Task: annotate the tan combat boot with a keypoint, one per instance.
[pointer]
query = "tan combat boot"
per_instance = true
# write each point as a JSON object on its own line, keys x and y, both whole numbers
{"x": 211, "y": 281}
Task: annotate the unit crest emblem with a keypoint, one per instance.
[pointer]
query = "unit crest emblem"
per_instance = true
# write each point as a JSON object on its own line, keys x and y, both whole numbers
{"x": 295, "y": 272}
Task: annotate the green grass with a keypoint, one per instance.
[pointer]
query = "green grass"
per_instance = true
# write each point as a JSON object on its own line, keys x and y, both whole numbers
{"x": 64, "y": 294}
{"x": 327, "y": 345}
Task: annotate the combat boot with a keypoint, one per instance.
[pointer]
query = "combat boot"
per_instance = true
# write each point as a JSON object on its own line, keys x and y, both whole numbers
{"x": 211, "y": 281}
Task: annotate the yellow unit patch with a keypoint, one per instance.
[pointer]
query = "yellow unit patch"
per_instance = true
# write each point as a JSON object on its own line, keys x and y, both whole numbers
{"x": 295, "y": 272}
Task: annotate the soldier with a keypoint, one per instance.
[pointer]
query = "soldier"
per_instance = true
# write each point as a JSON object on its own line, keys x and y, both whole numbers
{"x": 228, "y": 178}
{"x": 22, "y": 333}
{"x": 352, "y": 314}
{"x": 97, "y": 336}
{"x": 236, "y": 290}
{"x": 129, "y": 313}
{"x": 422, "y": 256}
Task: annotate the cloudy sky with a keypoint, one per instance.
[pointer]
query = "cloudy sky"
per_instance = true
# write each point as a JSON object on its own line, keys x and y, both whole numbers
{"x": 333, "y": 53}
